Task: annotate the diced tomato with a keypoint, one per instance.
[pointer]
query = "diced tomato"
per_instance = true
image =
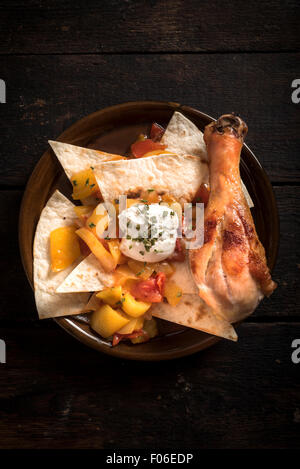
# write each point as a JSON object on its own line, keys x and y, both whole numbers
{"x": 160, "y": 280}
{"x": 156, "y": 132}
{"x": 147, "y": 290}
{"x": 202, "y": 194}
{"x": 97, "y": 195}
{"x": 84, "y": 249}
{"x": 178, "y": 246}
{"x": 179, "y": 253}
{"x": 141, "y": 147}
{"x": 150, "y": 290}
{"x": 118, "y": 337}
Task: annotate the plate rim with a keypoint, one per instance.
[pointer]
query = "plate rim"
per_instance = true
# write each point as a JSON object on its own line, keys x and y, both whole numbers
{"x": 66, "y": 322}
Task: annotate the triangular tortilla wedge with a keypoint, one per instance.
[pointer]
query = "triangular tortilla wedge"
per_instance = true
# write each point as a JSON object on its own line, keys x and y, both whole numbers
{"x": 190, "y": 312}
{"x": 58, "y": 212}
{"x": 93, "y": 304}
{"x": 88, "y": 276}
{"x": 184, "y": 277}
{"x": 176, "y": 175}
{"x": 184, "y": 138}
{"x": 74, "y": 159}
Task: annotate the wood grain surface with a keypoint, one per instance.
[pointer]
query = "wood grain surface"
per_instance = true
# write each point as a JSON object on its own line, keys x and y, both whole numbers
{"x": 64, "y": 60}
{"x": 57, "y": 393}
{"x": 112, "y": 26}
{"x": 48, "y": 93}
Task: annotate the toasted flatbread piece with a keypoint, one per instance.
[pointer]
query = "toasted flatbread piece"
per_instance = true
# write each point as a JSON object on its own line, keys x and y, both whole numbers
{"x": 57, "y": 213}
{"x": 88, "y": 276}
{"x": 183, "y": 137}
{"x": 176, "y": 175}
{"x": 191, "y": 312}
{"x": 183, "y": 276}
{"x": 74, "y": 159}
{"x": 93, "y": 304}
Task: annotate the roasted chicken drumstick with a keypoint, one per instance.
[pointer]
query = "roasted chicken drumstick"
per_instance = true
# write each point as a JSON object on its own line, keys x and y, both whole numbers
{"x": 230, "y": 268}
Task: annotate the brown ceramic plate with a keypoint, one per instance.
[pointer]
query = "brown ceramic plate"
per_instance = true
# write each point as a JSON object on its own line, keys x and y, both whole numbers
{"x": 113, "y": 129}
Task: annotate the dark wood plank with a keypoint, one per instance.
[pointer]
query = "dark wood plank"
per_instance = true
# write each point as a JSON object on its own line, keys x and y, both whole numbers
{"x": 17, "y": 303}
{"x": 286, "y": 298}
{"x": 45, "y": 94}
{"x": 169, "y": 25}
{"x": 55, "y": 393}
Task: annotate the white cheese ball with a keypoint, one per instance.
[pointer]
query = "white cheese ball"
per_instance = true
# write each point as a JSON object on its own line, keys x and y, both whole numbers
{"x": 148, "y": 232}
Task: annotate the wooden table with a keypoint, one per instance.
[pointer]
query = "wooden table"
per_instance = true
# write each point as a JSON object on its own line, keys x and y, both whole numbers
{"x": 64, "y": 60}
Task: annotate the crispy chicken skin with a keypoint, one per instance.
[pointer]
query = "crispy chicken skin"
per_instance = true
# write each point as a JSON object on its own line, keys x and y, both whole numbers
{"x": 230, "y": 268}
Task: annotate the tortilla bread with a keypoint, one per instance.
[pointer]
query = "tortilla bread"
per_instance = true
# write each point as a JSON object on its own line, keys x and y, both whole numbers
{"x": 58, "y": 212}
{"x": 176, "y": 175}
{"x": 93, "y": 304}
{"x": 184, "y": 277}
{"x": 191, "y": 312}
{"x": 88, "y": 276}
{"x": 183, "y": 137}
{"x": 74, "y": 159}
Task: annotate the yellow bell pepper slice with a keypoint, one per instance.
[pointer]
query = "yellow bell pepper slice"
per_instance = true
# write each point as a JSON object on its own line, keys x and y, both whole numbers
{"x": 133, "y": 307}
{"x": 164, "y": 267}
{"x": 122, "y": 274}
{"x": 97, "y": 223}
{"x": 105, "y": 258}
{"x": 150, "y": 327}
{"x": 142, "y": 270}
{"x": 172, "y": 292}
{"x": 130, "y": 202}
{"x": 84, "y": 184}
{"x": 110, "y": 296}
{"x": 64, "y": 247}
{"x": 106, "y": 321}
{"x": 134, "y": 325}
{"x": 128, "y": 284}
{"x": 114, "y": 247}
